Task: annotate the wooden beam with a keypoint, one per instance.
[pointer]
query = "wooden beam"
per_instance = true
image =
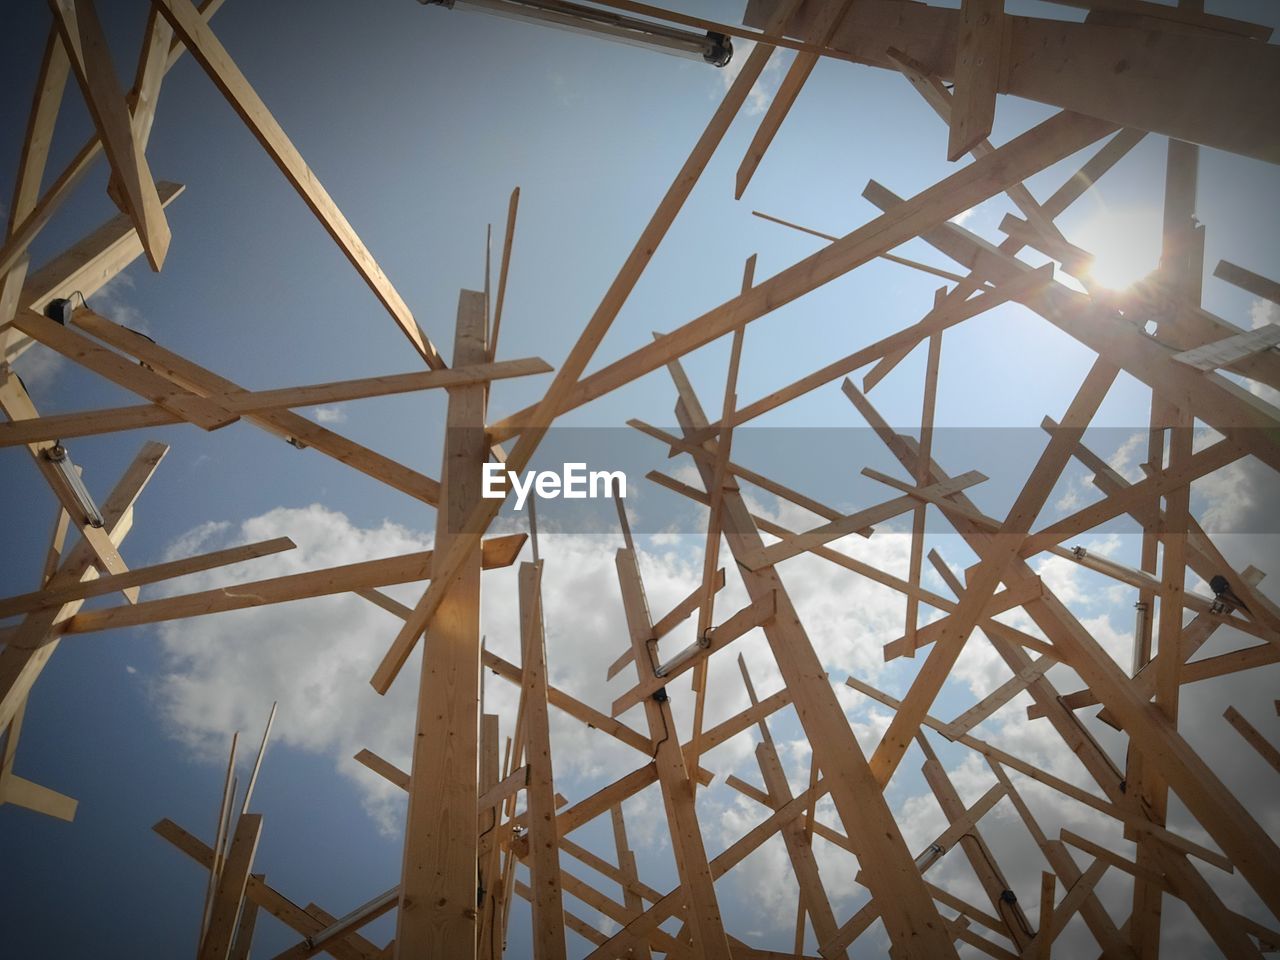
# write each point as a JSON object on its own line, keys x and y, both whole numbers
{"x": 630, "y": 875}
{"x": 208, "y": 51}
{"x": 1038, "y": 148}
{"x": 1247, "y": 280}
{"x": 27, "y": 602}
{"x": 1252, "y": 736}
{"x": 290, "y": 426}
{"x": 826, "y": 19}
{"x": 911, "y": 919}
{"x": 677, "y": 789}
{"x": 755, "y": 614}
{"x": 228, "y": 899}
{"x": 979, "y": 50}
{"x": 90, "y": 57}
{"x": 544, "y": 841}
{"x": 408, "y": 568}
{"x": 94, "y": 422}
{"x": 24, "y": 657}
{"x": 437, "y": 915}
{"x": 1132, "y": 76}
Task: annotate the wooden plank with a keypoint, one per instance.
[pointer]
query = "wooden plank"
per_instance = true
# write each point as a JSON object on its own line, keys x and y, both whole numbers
{"x": 629, "y": 875}
{"x": 437, "y": 915}
{"x": 90, "y": 58}
{"x": 110, "y": 420}
{"x": 51, "y": 81}
{"x": 928, "y": 405}
{"x": 227, "y": 901}
{"x": 290, "y": 426}
{"x": 826, "y": 19}
{"x": 1001, "y": 550}
{"x": 704, "y": 920}
{"x": 911, "y": 919}
{"x": 112, "y": 366}
{"x": 1038, "y": 148}
{"x": 1247, "y": 280}
{"x": 1223, "y": 353}
{"x": 799, "y": 849}
{"x": 1131, "y": 76}
{"x": 544, "y": 841}
{"x": 208, "y": 51}
{"x": 755, "y": 614}
{"x": 28, "y": 650}
{"x": 1253, "y": 737}
{"x": 407, "y": 568}
{"x": 979, "y": 49}
{"x": 777, "y": 552}
{"x": 25, "y": 603}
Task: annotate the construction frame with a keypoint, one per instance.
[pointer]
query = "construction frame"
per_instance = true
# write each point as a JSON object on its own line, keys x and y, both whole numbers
{"x": 1115, "y": 78}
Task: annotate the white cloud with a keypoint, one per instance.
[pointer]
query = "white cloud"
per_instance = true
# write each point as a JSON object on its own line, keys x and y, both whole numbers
{"x": 329, "y": 415}
{"x": 763, "y": 90}
{"x": 315, "y": 657}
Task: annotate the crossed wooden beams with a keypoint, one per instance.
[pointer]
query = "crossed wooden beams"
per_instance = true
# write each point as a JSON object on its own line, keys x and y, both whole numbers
{"x": 465, "y": 831}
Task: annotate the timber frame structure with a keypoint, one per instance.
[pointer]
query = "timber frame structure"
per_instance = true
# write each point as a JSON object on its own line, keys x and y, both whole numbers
{"x": 1117, "y": 77}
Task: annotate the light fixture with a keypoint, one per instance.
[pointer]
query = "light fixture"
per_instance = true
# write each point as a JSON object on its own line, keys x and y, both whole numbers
{"x": 929, "y": 857}
{"x": 713, "y": 48}
{"x": 57, "y": 455}
{"x": 59, "y": 310}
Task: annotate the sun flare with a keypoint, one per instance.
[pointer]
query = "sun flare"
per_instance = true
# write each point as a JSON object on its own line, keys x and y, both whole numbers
{"x": 1125, "y": 246}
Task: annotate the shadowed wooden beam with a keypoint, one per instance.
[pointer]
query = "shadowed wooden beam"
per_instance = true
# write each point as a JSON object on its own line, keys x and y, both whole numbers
{"x": 1247, "y": 280}
{"x": 979, "y": 44}
{"x": 90, "y": 57}
{"x": 257, "y": 891}
{"x": 1133, "y": 76}
{"x": 229, "y": 896}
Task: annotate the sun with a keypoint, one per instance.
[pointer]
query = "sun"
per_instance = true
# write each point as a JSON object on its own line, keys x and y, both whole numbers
{"x": 1125, "y": 245}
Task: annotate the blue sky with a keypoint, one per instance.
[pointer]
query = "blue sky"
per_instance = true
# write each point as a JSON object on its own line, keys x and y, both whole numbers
{"x": 419, "y": 121}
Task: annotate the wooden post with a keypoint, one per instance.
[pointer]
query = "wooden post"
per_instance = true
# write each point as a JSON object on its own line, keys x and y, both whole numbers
{"x": 544, "y": 840}
{"x": 437, "y": 915}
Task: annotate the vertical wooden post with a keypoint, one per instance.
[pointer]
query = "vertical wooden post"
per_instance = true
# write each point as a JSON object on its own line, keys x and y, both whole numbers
{"x": 677, "y": 787}
{"x": 910, "y": 917}
{"x": 229, "y": 896}
{"x": 437, "y": 916}
{"x": 630, "y": 875}
{"x": 544, "y": 838}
